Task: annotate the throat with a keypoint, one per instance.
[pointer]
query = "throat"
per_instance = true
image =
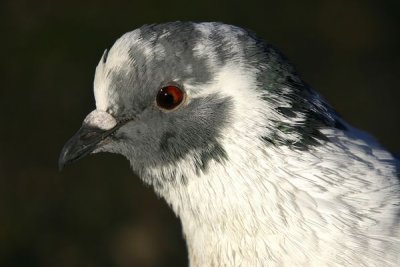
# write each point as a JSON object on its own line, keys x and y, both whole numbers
{"x": 229, "y": 214}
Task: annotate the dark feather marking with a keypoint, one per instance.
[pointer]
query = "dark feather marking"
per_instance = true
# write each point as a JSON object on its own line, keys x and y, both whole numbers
{"x": 216, "y": 152}
{"x": 316, "y": 117}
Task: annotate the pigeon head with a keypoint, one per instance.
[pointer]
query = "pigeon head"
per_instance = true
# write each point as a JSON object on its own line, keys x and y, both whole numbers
{"x": 172, "y": 97}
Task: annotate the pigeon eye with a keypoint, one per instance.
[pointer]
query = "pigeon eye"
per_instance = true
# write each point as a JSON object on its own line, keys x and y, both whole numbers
{"x": 169, "y": 97}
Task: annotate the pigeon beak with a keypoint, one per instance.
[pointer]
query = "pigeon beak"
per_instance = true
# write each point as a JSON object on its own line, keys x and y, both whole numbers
{"x": 87, "y": 139}
{"x": 96, "y": 127}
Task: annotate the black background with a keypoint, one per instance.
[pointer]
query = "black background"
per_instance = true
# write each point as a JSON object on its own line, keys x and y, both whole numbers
{"x": 96, "y": 212}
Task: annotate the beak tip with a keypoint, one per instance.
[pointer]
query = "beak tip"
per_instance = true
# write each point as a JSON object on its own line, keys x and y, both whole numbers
{"x": 62, "y": 160}
{"x": 81, "y": 144}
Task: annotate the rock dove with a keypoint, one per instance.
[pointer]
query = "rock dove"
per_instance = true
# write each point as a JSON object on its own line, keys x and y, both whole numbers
{"x": 258, "y": 167}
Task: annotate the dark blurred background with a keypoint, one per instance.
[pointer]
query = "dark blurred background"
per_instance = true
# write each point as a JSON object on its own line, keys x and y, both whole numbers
{"x": 96, "y": 213}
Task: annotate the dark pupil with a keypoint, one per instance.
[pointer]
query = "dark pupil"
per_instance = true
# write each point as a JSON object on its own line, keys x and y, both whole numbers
{"x": 166, "y": 100}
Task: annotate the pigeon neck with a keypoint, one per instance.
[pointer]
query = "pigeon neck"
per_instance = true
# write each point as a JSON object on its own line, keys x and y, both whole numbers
{"x": 241, "y": 209}
{"x": 266, "y": 201}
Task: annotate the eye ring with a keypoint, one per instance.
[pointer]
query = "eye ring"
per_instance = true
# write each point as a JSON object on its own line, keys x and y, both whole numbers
{"x": 169, "y": 97}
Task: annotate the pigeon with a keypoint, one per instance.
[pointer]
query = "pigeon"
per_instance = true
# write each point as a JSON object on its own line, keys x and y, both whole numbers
{"x": 259, "y": 168}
